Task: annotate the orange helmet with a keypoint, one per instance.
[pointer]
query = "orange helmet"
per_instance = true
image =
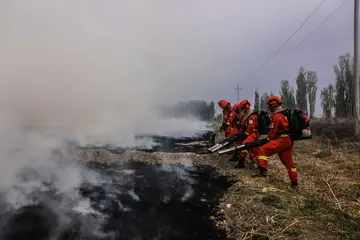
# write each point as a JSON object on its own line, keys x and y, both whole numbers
{"x": 244, "y": 104}
{"x": 273, "y": 101}
{"x": 236, "y": 107}
{"x": 224, "y": 104}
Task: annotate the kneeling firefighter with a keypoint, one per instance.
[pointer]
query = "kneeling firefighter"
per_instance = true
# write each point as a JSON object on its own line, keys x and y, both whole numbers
{"x": 278, "y": 141}
{"x": 249, "y": 133}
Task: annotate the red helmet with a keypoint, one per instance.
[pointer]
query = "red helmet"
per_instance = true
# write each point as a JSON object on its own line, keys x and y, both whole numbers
{"x": 236, "y": 107}
{"x": 224, "y": 104}
{"x": 273, "y": 101}
{"x": 298, "y": 110}
{"x": 244, "y": 104}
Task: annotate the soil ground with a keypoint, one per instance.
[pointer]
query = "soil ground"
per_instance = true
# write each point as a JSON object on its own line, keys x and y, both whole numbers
{"x": 327, "y": 205}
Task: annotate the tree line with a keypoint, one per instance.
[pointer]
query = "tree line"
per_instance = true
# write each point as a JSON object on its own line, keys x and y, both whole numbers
{"x": 199, "y": 109}
{"x": 336, "y": 99}
{"x": 303, "y": 97}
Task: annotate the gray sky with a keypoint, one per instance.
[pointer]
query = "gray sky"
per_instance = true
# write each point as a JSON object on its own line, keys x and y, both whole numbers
{"x": 256, "y": 30}
{"x": 79, "y": 62}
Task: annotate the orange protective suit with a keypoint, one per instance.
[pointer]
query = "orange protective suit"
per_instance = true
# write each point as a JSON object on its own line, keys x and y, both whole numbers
{"x": 234, "y": 121}
{"x": 227, "y": 110}
{"x": 280, "y": 143}
{"x": 250, "y": 126}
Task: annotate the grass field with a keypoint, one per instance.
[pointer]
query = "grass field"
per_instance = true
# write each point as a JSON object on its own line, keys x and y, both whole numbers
{"x": 327, "y": 205}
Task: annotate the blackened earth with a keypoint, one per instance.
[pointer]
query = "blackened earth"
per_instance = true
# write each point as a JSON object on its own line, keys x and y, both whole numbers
{"x": 163, "y": 144}
{"x": 133, "y": 201}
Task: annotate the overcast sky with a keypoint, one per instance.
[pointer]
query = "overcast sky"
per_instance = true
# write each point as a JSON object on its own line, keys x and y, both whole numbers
{"x": 132, "y": 55}
{"x": 256, "y": 29}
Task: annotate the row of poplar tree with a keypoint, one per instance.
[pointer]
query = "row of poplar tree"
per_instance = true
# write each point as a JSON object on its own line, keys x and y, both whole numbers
{"x": 337, "y": 99}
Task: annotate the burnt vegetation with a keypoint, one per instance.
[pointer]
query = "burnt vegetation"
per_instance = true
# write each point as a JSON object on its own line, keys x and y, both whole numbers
{"x": 133, "y": 200}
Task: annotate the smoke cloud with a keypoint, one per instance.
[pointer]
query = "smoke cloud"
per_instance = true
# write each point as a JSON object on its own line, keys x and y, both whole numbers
{"x": 93, "y": 72}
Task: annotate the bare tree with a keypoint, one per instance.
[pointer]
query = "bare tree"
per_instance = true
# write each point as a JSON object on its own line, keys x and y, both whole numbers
{"x": 257, "y": 100}
{"x": 287, "y": 95}
{"x": 345, "y": 98}
{"x": 301, "y": 92}
{"x": 328, "y": 100}
{"x": 263, "y": 99}
{"x": 311, "y": 86}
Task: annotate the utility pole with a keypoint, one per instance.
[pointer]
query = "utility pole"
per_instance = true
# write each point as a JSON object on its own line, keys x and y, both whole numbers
{"x": 238, "y": 91}
{"x": 356, "y": 69}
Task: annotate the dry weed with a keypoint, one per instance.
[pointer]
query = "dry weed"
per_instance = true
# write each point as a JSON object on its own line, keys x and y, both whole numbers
{"x": 327, "y": 205}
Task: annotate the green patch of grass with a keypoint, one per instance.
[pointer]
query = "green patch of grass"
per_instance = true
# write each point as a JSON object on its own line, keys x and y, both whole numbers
{"x": 312, "y": 205}
{"x": 291, "y": 233}
{"x": 259, "y": 237}
{"x": 272, "y": 200}
{"x": 354, "y": 190}
{"x": 240, "y": 189}
{"x": 323, "y": 211}
{"x": 323, "y": 154}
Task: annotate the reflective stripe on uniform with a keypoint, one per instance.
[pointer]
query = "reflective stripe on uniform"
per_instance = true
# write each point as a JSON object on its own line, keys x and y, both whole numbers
{"x": 293, "y": 169}
{"x": 284, "y": 135}
{"x": 244, "y": 151}
{"x": 263, "y": 158}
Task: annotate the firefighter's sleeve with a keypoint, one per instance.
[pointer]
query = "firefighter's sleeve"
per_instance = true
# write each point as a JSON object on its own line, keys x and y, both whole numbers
{"x": 251, "y": 126}
{"x": 274, "y": 127}
{"x": 232, "y": 117}
{"x": 224, "y": 126}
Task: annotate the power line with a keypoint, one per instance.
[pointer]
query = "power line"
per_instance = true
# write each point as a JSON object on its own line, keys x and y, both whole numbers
{"x": 302, "y": 24}
{"x": 331, "y": 14}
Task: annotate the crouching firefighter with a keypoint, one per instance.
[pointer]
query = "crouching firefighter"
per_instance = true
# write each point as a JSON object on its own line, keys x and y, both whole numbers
{"x": 227, "y": 111}
{"x": 278, "y": 141}
{"x": 234, "y": 120}
{"x": 233, "y": 137}
{"x": 236, "y": 130}
{"x": 249, "y": 133}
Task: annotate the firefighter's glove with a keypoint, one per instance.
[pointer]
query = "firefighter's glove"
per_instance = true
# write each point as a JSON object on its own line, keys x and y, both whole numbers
{"x": 257, "y": 143}
{"x": 224, "y": 126}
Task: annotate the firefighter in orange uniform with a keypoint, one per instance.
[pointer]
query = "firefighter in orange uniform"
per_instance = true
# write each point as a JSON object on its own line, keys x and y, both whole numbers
{"x": 234, "y": 120}
{"x": 249, "y": 126}
{"x": 227, "y": 110}
{"x": 279, "y": 142}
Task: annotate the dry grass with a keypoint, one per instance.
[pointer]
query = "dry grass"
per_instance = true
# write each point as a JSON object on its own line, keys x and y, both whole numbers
{"x": 327, "y": 205}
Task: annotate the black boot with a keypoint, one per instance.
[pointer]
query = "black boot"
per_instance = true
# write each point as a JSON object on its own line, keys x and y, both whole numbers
{"x": 241, "y": 163}
{"x": 294, "y": 185}
{"x": 261, "y": 172}
{"x": 234, "y": 158}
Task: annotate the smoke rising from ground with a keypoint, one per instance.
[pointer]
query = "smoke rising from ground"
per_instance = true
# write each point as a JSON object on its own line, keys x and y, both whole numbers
{"x": 91, "y": 72}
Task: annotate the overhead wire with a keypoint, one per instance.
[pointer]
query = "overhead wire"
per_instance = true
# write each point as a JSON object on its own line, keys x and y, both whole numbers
{"x": 302, "y": 24}
{"x": 328, "y": 17}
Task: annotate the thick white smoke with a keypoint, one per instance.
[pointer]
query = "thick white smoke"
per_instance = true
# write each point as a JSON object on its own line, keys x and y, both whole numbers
{"x": 92, "y": 72}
